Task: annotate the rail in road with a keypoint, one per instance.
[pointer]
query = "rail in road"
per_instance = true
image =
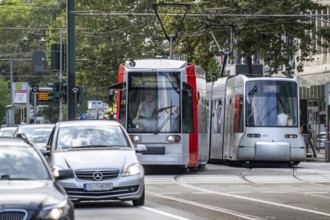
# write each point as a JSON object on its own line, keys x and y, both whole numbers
{"x": 226, "y": 192}
{"x": 282, "y": 190}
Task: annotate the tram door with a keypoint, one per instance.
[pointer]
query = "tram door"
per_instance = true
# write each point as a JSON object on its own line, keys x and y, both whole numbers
{"x": 229, "y": 120}
{"x": 217, "y": 129}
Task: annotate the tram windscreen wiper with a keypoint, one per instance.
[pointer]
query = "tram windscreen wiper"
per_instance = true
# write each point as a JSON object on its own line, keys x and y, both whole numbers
{"x": 4, "y": 176}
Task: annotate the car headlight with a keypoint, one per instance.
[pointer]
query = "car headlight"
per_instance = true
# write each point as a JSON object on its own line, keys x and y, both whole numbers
{"x": 55, "y": 212}
{"x": 133, "y": 169}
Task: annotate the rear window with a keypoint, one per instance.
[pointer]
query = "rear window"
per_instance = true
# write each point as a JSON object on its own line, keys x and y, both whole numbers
{"x": 22, "y": 163}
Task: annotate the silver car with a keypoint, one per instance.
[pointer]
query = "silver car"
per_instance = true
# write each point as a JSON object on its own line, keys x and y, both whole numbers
{"x": 103, "y": 159}
{"x": 36, "y": 133}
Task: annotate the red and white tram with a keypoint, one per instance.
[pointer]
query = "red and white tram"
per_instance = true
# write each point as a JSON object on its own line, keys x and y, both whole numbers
{"x": 176, "y": 132}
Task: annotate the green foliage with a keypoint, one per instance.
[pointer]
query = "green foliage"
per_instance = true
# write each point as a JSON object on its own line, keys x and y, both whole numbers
{"x": 5, "y": 99}
{"x": 104, "y": 39}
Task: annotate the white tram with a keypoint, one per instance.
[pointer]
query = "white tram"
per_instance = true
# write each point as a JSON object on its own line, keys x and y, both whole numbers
{"x": 255, "y": 119}
{"x": 176, "y": 134}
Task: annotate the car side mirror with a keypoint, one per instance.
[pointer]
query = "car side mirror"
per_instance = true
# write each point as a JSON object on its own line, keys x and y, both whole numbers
{"x": 63, "y": 174}
{"x": 45, "y": 150}
{"x": 140, "y": 148}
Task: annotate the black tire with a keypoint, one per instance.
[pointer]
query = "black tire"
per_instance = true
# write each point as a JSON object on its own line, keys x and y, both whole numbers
{"x": 140, "y": 201}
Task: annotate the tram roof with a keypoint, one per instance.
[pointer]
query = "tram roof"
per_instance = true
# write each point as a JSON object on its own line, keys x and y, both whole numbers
{"x": 156, "y": 64}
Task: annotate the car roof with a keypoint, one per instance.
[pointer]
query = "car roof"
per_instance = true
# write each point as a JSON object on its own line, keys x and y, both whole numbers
{"x": 37, "y": 125}
{"x": 8, "y": 128}
{"x": 12, "y": 142}
{"x": 88, "y": 122}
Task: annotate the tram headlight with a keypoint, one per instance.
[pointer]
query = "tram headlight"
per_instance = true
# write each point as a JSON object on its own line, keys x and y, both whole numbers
{"x": 253, "y": 135}
{"x": 290, "y": 136}
{"x": 173, "y": 139}
{"x": 135, "y": 139}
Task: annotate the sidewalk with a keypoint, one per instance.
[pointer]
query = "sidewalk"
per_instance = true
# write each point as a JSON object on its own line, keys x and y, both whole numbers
{"x": 320, "y": 156}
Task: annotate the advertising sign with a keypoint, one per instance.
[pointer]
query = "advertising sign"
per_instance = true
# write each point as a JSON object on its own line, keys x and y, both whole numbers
{"x": 95, "y": 104}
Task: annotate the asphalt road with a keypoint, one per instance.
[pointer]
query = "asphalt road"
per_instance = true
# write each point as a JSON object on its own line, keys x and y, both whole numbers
{"x": 226, "y": 192}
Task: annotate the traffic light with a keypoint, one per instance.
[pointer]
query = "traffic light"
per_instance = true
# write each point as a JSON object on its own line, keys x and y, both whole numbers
{"x": 80, "y": 94}
{"x": 55, "y": 56}
{"x": 64, "y": 88}
{"x": 54, "y": 94}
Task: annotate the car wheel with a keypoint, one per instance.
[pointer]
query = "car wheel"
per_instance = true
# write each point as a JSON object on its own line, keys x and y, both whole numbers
{"x": 140, "y": 201}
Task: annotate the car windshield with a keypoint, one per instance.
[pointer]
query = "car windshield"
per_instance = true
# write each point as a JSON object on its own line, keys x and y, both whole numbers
{"x": 8, "y": 132}
{"x": 73, "y": 137}
{"x": 36, "y": 134}
{"x": 21, "y": 163}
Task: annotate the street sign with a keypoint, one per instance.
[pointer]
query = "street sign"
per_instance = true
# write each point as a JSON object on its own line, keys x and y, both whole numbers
{"x": 75, "y": 90}
{"x": 21, "y": 91}
{"x": 95, "y": 104}
{"x": 35, "y": 88}
{"x": 43, "y": 96}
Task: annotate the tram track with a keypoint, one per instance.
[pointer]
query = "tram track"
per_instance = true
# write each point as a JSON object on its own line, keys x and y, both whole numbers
{"x": 294, "y": 175}
{"x": 178, "y": 180}
{"x": 246, "y": 175}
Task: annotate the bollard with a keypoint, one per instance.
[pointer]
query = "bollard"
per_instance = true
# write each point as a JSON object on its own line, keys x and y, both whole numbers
{"x": 327, "y": 152}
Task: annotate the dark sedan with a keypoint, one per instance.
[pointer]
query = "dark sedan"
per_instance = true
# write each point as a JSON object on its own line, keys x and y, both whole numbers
{"x": 28, "y": 190}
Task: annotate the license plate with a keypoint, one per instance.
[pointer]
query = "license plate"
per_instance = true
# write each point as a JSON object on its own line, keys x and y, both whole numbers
{"x": 97, "y": 186}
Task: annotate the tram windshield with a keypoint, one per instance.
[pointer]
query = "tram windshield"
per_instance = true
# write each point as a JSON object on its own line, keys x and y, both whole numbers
{"x": 271, "y": 103}
{"x": 153, "y": 102}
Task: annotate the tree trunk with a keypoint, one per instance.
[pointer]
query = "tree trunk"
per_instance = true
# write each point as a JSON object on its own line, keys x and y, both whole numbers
{"x": 249, "y": 65}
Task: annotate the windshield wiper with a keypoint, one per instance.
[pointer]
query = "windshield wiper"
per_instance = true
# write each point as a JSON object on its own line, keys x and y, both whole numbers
{"x": 4, "y": 176}
{"x": 162, "y": 109}
{"x": 96, "y": 146}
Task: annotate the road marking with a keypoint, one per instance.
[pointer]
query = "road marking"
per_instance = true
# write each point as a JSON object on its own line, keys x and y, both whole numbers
{"x": 213, "y": 208}
{"x": 164, "y": 213}
{"x": 316, "y": 192}
{"x": 273, "y": 192}
{"x": 182, "y": 183}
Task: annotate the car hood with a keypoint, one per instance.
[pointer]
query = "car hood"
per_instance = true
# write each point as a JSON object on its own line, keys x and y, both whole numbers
{"x": 99, "y": 159}
{"x": 29, "y": 194}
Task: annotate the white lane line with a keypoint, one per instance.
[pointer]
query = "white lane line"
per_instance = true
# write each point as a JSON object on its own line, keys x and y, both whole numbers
{"x": 273, "y": 192}
{"x": 213, "y": 208}
{"x": 164, "y": 213}
{"x": 316, "y": 192}
{"x": 180, "y": 182}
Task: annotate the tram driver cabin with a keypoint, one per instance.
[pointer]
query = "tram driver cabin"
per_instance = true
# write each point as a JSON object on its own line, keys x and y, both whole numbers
{"x": 175, "y": 134}
{"x": 255, "y": 118}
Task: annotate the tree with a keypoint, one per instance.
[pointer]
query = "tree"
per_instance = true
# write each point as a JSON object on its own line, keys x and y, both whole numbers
{"x": 258, "y": 30}
{"x": 5, "y": 99}
{"x": 22, "y": 26}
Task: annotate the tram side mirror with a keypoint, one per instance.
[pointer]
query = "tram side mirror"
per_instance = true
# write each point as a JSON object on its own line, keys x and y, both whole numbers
{"x": 141, "y": 148}
{"x": 112, "y": 96}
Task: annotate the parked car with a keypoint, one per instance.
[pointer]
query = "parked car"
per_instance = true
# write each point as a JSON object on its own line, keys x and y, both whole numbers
{"x": 36, "y": 133}
{"x": 7, "y": 131}
{"x": 28, "y": 190}
{"x": 103, "y": 158}
{"x": 321, "y": 140}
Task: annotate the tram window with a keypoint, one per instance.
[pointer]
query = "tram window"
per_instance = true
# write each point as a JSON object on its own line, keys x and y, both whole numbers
{"x": 239, "y": 114}
{"x": 217, "y": 109}
{"x": 187, "y": 110}
{"x": 122, "y": 112}
{"x": 271, "y": 104}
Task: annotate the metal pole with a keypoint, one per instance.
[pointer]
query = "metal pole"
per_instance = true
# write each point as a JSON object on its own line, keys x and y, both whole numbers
{"x": 35, "y": 107}
{"x": 171, "y": 47}
{"x": 27, "y": 108}
{"x": 61, "y": 75}
{"x": 71, "y": 59}
{"x": 12, "y": 119}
